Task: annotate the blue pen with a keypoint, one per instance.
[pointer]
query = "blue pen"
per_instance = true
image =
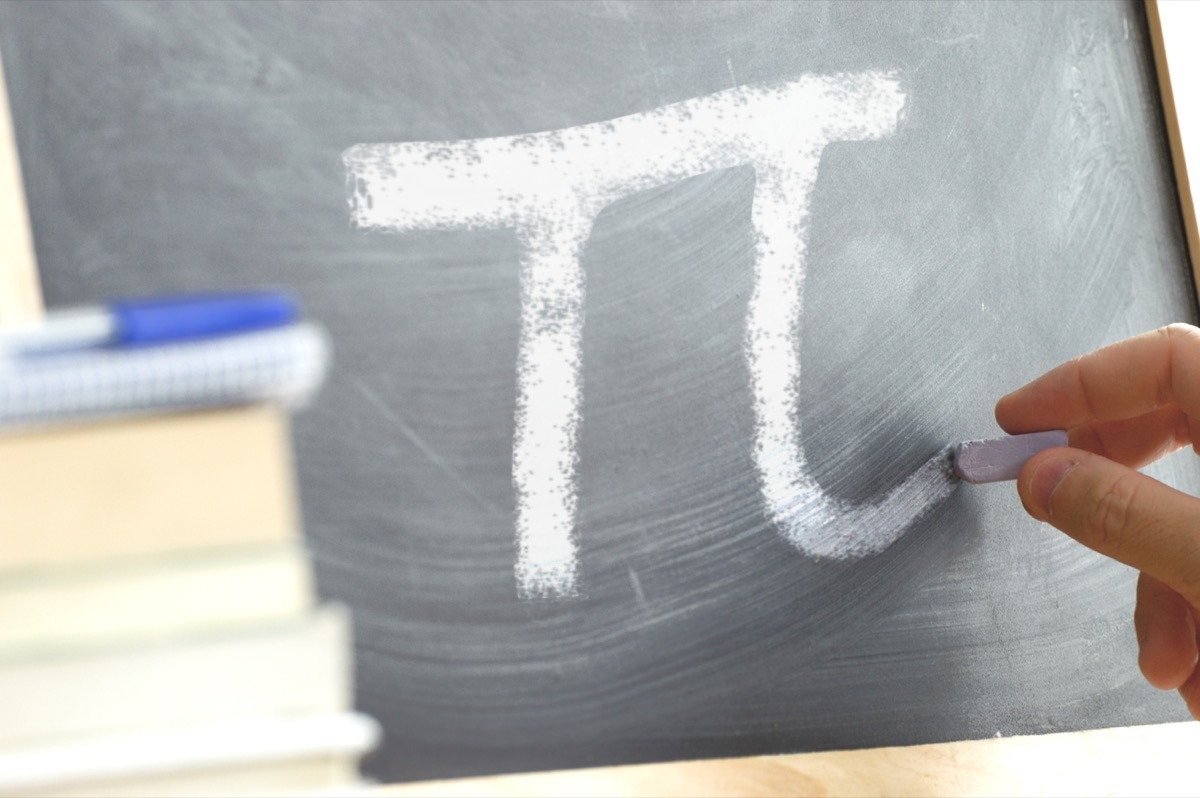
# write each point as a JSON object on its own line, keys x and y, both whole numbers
{"x": 150, "y": 321}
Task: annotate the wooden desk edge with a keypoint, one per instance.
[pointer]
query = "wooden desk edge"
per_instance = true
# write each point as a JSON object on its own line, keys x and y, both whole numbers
{"x": 1135, "y": 760}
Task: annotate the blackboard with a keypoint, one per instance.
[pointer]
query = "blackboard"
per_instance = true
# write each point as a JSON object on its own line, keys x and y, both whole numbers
{"x": 993, "y": 196}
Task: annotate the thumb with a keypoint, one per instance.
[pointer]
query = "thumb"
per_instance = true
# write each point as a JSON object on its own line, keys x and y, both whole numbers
{"x": 1118, "y": 512}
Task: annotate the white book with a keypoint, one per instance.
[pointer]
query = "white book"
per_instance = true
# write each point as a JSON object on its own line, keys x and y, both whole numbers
{"x": 248, "y": 757}
{"x": 298, "y": 667}
{"x": 52, "y": 611}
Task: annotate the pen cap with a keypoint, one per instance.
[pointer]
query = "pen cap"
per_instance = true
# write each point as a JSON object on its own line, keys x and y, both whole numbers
{"x": 151, "y": 321}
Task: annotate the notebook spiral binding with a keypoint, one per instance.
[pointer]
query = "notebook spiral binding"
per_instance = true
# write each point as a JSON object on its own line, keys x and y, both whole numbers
{"x": 285, "y": 364}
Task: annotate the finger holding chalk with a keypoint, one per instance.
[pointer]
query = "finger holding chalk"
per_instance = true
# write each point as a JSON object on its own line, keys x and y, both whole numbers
{"x": 1000, "y": 459}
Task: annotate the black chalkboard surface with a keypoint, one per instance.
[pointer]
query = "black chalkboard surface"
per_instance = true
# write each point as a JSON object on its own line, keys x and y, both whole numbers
{"x": 566, "y": 472}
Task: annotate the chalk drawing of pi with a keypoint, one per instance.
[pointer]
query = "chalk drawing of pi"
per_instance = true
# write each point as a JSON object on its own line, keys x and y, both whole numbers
{"x": 549, "y": 187}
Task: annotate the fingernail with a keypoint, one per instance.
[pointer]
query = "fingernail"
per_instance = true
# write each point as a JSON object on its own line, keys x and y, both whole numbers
{"x": 1046, "y": 479}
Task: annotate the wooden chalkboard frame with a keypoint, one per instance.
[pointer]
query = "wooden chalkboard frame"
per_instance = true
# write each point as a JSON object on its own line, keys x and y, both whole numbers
{"x": 1134, "y": 761}
{"x": 1174, "y": 63}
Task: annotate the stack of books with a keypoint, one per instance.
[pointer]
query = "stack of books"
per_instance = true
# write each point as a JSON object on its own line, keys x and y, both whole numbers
{"x": 159, "y": 629}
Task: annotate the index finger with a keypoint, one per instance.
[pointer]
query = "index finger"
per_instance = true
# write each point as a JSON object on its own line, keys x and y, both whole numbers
{"x": 1120, "y": 381}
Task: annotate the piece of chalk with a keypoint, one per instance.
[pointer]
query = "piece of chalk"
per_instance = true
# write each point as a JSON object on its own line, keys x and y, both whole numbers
{"x": 1001, "y": 458}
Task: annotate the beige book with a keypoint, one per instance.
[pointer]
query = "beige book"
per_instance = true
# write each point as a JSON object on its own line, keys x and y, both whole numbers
{"x": 146, "y": 485}
{"x": 256, "y": 756}
{"x": 298, "y": 667}
{"x": 48, "y": 611}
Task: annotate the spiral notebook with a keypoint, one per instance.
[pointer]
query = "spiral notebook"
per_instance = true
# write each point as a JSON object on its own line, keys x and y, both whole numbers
{"x": 284, "y": 364}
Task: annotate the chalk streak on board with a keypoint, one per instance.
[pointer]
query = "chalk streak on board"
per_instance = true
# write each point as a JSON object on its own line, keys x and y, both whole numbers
{"x": 424, "y": 448}
{"x": 811, "y": 519}
{"x": 550, "y": 187}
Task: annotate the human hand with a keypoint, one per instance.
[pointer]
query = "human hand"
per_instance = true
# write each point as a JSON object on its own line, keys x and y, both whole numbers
{"x": 1125, "y": 406}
